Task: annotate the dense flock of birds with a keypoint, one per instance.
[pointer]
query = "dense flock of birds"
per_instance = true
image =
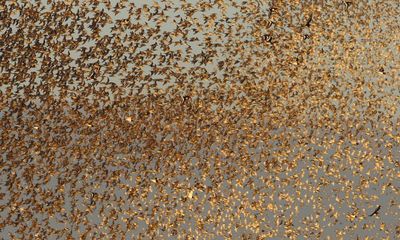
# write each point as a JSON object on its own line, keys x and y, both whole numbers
{"x": 217, "y": 119}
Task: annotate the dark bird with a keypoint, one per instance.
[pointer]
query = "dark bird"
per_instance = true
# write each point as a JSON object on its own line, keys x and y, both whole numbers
{"x": 376, "y": 211}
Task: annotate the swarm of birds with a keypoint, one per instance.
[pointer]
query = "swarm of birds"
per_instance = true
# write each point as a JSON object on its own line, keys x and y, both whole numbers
{"x": 218, "y": 119}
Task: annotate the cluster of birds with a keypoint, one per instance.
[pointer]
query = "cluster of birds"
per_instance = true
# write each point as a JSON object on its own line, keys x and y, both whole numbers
{"x": 199, "y": 119}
